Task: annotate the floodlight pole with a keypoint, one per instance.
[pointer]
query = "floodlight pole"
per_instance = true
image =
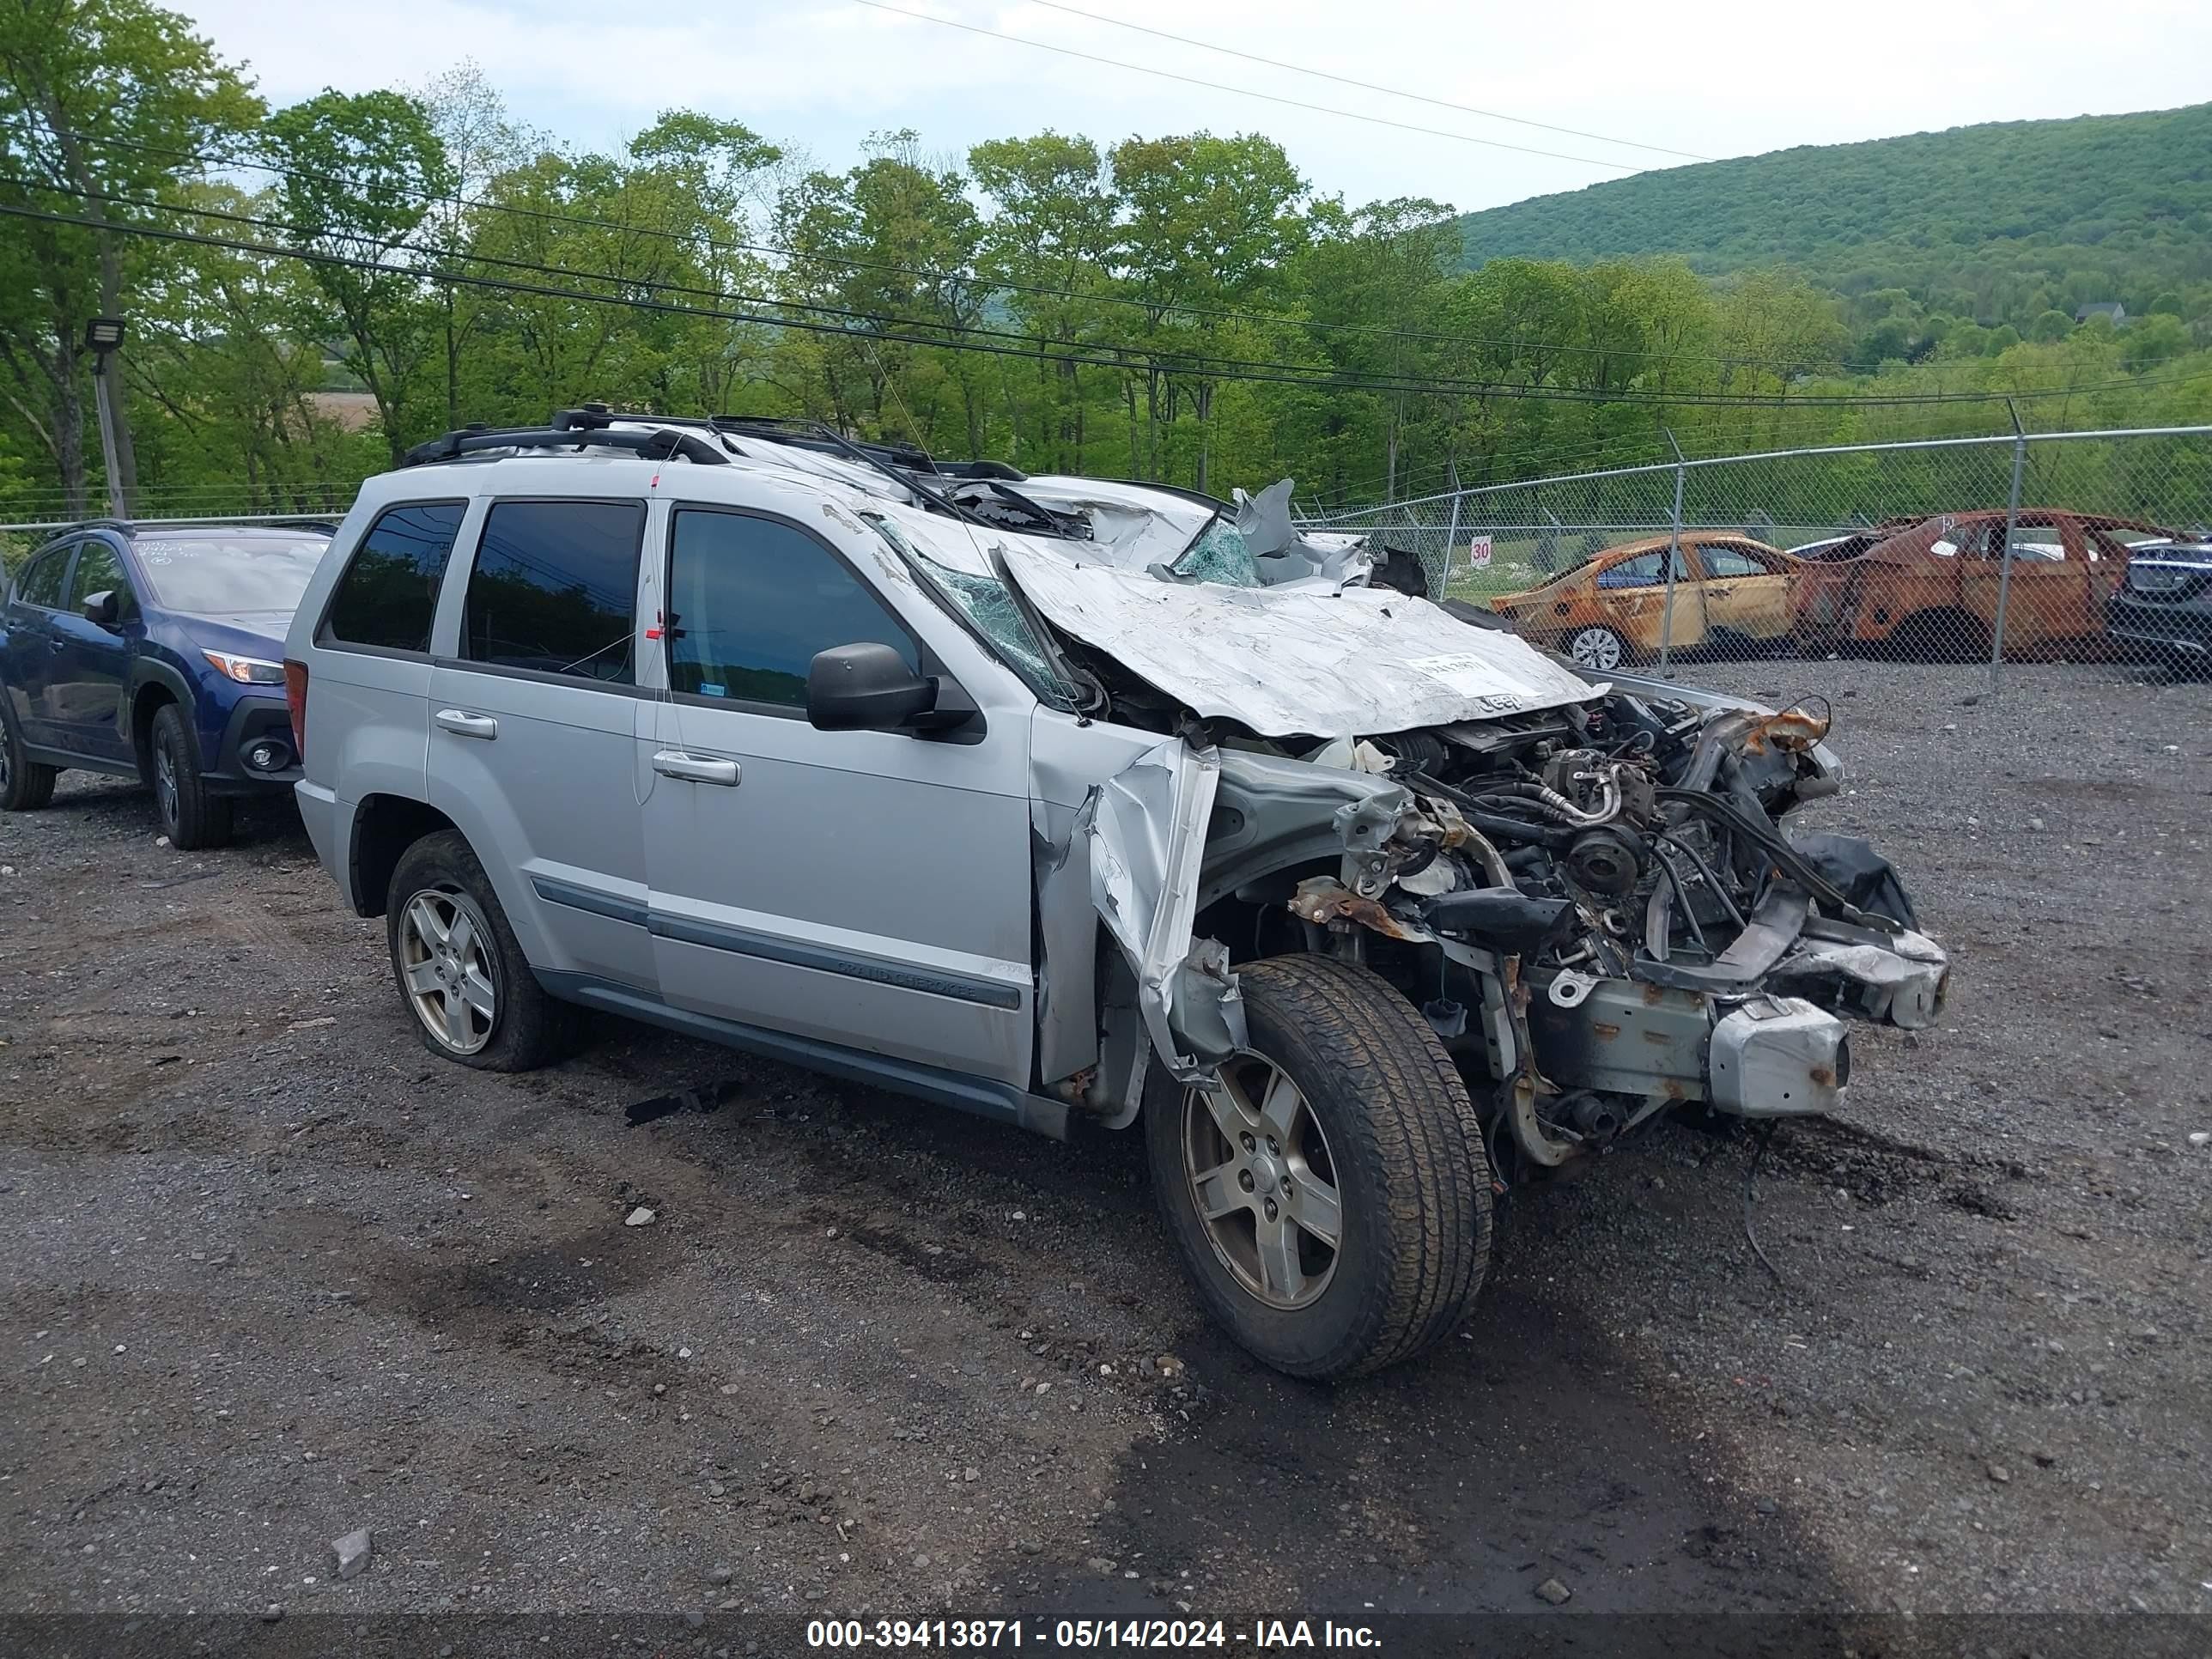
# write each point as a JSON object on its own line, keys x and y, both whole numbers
{"x": 102, "y": 336}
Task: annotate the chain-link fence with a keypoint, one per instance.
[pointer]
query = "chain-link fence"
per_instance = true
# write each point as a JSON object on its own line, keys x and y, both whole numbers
{"x": 2090, "y": 546}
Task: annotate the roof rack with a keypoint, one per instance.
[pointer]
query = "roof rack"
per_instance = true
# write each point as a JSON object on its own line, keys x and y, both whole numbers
{"x": 813, "y": 434}
{"x": 590, "y": 427}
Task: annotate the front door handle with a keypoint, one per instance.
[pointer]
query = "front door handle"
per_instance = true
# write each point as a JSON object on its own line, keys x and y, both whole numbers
{"x": 695, "y": 769}
{"x": 57, "y": 644}
{"x": 462, "y": 724}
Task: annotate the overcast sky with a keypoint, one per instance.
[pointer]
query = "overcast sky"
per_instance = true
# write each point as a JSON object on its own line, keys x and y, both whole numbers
{"x": 1714, "y": 79}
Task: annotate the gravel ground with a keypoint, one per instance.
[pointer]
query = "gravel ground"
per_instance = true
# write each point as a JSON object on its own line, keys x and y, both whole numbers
{"x": 279, "y": 1274}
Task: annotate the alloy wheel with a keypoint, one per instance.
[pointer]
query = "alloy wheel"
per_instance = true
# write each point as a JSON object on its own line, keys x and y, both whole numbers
{"x": 1263, "y": 1181}
{"x": 1596, "y": 647}
{"x": 446, "y": 965}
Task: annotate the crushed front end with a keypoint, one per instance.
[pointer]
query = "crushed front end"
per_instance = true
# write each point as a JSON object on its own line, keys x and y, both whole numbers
{"x": 1601, "y": 914}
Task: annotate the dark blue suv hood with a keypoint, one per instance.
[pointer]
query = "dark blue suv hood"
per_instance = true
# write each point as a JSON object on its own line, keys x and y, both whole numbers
{"x": 243, "y": 633}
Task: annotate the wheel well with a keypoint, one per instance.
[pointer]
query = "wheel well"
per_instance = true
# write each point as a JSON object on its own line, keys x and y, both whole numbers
{"x": 384, "y": 828}
{"x": 144, "y": 705}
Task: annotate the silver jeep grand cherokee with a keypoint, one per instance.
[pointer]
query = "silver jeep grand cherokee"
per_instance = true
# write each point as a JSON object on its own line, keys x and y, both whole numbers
{"x": 1055, "y": 798}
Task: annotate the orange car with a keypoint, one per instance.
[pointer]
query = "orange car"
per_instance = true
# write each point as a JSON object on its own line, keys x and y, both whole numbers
{"x": 1930, "y": 589}
{"x": 1728, "y": 589}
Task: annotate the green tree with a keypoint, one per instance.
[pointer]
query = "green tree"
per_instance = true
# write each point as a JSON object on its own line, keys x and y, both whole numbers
{"x": 103, "y": 106}
{"x": 1208, "y": 224}
{"x": 2049, "y": 326}
{"x": 359, "y": 173}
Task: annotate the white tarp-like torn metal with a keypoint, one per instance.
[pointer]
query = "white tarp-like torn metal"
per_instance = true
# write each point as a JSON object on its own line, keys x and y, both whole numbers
{"x": 1146, "y": 826}
{"x": 1353, "y": 663}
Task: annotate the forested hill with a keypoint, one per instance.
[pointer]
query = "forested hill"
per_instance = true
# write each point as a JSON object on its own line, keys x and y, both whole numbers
{"x": 2121, "y": 205}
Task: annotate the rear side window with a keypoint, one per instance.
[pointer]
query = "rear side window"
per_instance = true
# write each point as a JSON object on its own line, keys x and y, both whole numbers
{"x": 553, "y": 588}
{"x": 389, "y": 592}
{"x": 42, "y": 581}
{"x": 1644, "y": 570}
{"x": 752, "y": 601}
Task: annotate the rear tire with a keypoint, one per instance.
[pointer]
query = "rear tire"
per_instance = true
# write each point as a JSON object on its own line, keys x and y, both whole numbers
{"x": 1383, "y": 1147}
{"x": 1598, "y": 649}
{"x": 191, "y": 817}
{"x": 460, "y": 971}
{"x": 24, "y": 784}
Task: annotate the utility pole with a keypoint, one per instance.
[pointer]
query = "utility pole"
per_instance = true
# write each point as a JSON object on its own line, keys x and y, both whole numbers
{"x": 102, "y": 335}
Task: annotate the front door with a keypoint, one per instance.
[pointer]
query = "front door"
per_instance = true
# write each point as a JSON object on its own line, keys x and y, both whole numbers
{"x": 2047, "y": 599}
{"x": 1746, "y": 590}
{"x": 91, "y": 672}
{"x": 866, "y": 890}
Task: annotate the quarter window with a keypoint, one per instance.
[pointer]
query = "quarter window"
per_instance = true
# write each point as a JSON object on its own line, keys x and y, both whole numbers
{"x": 42, "y": 583}
{"x": 554, "y": 589}
{"x": 389, "y": 592}
{"x": 752, "y": 601}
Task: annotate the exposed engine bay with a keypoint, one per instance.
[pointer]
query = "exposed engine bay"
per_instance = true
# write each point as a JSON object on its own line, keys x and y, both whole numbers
{"x": 1595, "y": 905}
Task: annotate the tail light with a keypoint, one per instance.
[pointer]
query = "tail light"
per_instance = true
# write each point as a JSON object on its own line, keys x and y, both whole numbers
{"x": 295, "y": 699}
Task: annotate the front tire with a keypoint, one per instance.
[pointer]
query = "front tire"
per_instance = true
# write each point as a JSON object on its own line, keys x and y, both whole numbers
{"x": 1332, "y": 1201}
{"x": 460, "y": 970}
{"x": 24, "y": 784}
{"x": 191, "y": 817}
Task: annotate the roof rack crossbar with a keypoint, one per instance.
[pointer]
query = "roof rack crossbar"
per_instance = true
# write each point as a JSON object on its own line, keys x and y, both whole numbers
{"x": 660, "y": 444}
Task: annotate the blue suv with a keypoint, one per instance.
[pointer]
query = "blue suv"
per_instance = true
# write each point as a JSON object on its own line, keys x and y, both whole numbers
{"x": 156, "y": 651}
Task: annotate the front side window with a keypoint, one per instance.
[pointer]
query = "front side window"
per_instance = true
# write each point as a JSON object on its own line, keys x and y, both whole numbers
{"x": 554, "y": 589}
{"x": 751, "y": 600}
{"x": 100, "y": 570}
{"x": 1728, "y": 563}
{"x": 42, "y": 583}
{"x": 389, "y": 592}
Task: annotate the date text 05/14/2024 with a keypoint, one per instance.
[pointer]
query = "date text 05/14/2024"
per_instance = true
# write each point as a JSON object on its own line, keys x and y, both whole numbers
{"x": 1265, "y": 1635}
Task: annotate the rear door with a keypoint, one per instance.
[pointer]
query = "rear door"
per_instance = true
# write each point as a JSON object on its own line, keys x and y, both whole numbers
{"x": 866, "y": 890}
{"x": 1631, "y": 598}
{"x": 33, "y": 645}
{"x": 534, "y": 718}
{"x": 91, "y": 664}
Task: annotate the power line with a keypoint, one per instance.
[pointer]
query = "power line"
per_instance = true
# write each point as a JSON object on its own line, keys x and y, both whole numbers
{"x": 978, "y": 280}
{"x": 1242, "y": 92}
{"x": 1029, "y": 349}
{"x": 1365, "y": 86}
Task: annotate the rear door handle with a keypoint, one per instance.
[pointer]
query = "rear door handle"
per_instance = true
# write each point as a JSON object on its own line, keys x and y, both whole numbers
{"x": 695, "y": 769}
{"x": 462, "y": 724}
{"x": 57, "y": 644}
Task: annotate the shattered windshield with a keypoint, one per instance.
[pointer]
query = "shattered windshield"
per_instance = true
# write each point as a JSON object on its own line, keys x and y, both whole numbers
{"x": 991, "y": 613}
{"x": 1220, "y": 554}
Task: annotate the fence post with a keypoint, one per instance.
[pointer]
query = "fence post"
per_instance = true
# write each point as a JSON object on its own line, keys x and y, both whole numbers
{"x": 1673, "y": 556}
{"x": 2004, "y": 566}
{"x": 1451, "y": 535}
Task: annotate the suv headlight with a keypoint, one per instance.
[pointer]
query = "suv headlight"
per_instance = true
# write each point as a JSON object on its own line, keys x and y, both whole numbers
{"x": 247, "y": 670}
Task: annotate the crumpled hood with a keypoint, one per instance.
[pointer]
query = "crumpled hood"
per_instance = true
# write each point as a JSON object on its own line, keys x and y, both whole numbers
{"x": 1307, "y": 662}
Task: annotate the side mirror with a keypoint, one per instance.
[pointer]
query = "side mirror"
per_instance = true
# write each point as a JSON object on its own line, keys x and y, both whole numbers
{"x": 104, "y": 609}
{"x": 865, "y": 687}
